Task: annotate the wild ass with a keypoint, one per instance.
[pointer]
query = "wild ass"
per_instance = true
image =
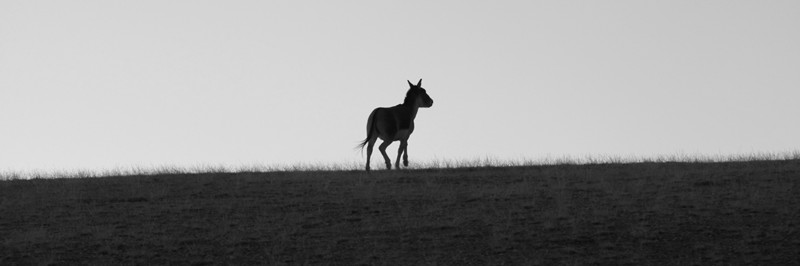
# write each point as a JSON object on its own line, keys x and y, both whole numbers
{"x": 395, "y": 123}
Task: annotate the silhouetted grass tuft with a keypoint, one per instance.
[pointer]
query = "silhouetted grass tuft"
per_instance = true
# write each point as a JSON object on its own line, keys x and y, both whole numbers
{"x": 377, "y": 165}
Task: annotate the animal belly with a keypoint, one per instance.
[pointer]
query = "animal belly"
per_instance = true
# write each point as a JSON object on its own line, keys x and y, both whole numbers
{"x": 399, "y": 135}
{"x": 402, "y": 134}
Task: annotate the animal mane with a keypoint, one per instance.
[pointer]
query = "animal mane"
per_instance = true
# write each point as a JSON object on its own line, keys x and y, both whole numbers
{"x": 408, "y": 101}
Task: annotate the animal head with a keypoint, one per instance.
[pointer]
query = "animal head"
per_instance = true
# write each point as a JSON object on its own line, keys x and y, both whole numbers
{"x": 417, "y": 96}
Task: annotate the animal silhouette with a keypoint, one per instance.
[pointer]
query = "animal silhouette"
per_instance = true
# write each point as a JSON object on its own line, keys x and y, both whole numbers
{"x": 395, "y": 123}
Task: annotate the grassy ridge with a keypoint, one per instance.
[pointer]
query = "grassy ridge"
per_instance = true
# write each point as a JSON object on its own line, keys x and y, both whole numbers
{"x": 611, "y": 213}
{"x": 377, "y": 164}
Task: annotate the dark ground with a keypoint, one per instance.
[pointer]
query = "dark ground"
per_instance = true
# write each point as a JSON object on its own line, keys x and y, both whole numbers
{"x": 612, "y": 214}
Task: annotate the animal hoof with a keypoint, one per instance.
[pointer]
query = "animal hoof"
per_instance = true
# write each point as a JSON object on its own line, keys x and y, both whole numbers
{"x": 405, "y": 163}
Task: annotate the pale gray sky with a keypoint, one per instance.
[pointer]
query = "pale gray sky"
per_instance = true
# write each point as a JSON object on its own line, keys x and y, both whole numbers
{"x": 100, "y": 84}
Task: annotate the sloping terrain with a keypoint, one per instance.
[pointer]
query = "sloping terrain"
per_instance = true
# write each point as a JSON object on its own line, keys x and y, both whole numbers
{"x": 643, "y": 213}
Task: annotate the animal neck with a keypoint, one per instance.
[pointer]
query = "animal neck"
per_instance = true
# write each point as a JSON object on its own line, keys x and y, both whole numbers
{"x": 409, "y": 101}
{"x": 413, "y": 111}
{"x": 411, "y": 108}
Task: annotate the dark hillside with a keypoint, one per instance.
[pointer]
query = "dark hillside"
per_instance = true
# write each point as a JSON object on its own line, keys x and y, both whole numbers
{"x": 643, "y": 213}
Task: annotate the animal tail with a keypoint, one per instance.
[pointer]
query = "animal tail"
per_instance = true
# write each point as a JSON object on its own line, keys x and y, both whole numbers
{"x": 370, "y": 130}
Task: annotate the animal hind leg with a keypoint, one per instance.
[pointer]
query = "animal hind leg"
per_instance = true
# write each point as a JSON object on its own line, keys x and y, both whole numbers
{"x": 382, "y": 148}
{"x": 370, "y": 145}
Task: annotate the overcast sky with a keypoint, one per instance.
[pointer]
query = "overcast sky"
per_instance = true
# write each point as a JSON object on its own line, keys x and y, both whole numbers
{"x": 101, "y": 84}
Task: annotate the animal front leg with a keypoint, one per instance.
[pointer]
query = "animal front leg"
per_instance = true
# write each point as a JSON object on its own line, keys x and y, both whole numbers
{"x": 401, "y": 152}
{"x": 405, "y": 154}
{"x": 382, "y": 148}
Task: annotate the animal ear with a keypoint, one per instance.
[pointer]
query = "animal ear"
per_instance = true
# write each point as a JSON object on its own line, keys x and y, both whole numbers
{"x": 419, "y": 84}
{"x": 410, "y": 84}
